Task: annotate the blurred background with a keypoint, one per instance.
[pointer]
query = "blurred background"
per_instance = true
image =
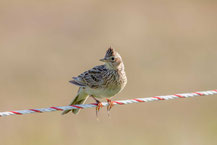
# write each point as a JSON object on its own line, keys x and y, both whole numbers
{"x": 167, "y": 46}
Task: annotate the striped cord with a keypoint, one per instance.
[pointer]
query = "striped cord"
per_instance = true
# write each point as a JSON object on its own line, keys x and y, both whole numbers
{"x": 121, "y": 102}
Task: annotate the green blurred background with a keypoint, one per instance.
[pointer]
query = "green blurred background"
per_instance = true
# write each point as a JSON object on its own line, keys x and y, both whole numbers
{"x": 168, "y": 47}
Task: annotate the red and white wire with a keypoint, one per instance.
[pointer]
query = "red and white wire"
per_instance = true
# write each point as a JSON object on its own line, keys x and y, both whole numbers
{"x": 121, "y": 102}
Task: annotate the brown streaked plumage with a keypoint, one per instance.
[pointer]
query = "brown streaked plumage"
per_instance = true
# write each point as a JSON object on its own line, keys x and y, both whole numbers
{"x": 103, "y": 81}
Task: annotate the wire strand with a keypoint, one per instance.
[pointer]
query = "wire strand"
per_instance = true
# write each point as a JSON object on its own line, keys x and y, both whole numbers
{"x": 120, "y": 102}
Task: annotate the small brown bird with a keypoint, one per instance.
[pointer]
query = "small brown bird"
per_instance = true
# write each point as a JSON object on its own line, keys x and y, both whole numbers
{"x": 103, "y": 81}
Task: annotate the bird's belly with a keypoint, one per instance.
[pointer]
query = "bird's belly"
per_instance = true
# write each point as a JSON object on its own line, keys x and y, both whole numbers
{"x": 102, "y": 92}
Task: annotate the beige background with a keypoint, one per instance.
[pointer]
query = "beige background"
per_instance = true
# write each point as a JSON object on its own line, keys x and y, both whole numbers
{"x": 168, "y": 47}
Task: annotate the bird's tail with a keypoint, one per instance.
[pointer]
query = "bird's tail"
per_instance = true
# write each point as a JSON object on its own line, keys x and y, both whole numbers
{"x": 79, "y": 99}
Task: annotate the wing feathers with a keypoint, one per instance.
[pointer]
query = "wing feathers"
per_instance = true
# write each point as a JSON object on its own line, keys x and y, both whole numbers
{"x": 77, "y": 83}
{"x": 93, "y": 78}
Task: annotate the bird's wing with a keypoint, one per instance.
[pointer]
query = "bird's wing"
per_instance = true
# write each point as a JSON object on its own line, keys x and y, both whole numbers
{"x": 92, "y": 78}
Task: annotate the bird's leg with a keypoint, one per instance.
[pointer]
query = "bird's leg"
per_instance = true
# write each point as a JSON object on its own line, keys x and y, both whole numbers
{"x": 110, "y": 105}
{"x": 99, "y": 105}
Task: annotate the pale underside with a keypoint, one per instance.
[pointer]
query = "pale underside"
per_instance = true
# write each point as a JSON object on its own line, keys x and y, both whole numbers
{"x": 102, "y": 92}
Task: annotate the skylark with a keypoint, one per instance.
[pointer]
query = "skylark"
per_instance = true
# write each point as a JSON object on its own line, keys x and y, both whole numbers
{"x": 103, "y": 81}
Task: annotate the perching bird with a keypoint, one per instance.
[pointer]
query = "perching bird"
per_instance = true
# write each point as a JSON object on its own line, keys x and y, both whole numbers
{"x": 103, "y": 81}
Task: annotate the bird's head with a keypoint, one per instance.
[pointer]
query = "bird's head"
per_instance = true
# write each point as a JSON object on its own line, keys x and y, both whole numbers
{"x": 112, "y": 58}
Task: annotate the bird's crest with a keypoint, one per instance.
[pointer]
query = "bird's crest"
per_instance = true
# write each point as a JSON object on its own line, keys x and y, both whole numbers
{"x": 110, "y": 52}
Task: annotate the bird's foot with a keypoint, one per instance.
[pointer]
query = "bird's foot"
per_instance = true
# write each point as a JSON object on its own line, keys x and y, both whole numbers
{"x": 110, "y": 105}
{"x": 98, "y": 107}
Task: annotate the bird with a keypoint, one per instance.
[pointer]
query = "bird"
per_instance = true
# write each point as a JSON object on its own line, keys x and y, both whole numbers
{"x": 102, "y": 81}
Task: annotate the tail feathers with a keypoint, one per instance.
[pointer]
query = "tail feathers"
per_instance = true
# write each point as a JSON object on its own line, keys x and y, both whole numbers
{"x": 79, "y": 99}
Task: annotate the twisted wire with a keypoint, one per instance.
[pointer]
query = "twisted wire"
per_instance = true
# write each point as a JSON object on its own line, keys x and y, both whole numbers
{"x": 120, "y": 102}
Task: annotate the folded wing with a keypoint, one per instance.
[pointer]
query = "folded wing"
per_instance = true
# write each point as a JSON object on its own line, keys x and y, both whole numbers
{"x": 92, "y": 78}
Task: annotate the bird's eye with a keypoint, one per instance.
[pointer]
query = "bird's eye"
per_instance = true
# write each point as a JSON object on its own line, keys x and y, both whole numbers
{"x": 113, "y": 58}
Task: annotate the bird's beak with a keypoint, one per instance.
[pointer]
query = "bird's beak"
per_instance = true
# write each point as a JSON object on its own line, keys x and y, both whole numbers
{"x": 103, "y": 60}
